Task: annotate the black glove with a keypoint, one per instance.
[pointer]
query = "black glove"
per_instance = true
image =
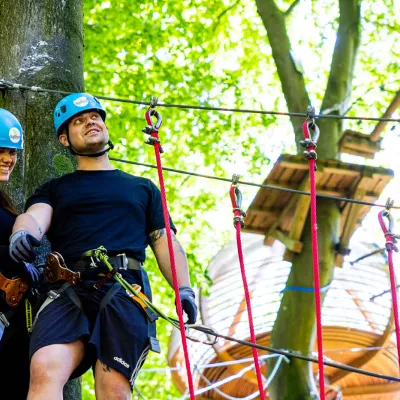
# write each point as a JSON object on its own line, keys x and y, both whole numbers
{"x": 22, "y": 245}
{"x": 188, "y": 303}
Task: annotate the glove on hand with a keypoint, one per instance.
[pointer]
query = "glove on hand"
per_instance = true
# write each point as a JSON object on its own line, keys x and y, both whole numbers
{"x": 22, "y": 245}
{"x": 29, "y": 273}
{"x": 188, "y": 303}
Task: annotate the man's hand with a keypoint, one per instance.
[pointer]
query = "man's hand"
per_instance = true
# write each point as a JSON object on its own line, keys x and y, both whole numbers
{"x": 188, "y": 303}
{"x": 22, "y": 245}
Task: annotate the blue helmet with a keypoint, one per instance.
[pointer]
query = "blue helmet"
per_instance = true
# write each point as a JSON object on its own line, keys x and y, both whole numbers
{"x": 75, "y": 104}
{"x": 11, "y": 133}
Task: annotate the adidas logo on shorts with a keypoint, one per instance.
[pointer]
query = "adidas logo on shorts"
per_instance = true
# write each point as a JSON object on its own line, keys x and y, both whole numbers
{"x": 121, "y": 361}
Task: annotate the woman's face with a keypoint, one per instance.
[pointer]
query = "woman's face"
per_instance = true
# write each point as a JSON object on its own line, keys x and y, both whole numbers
{"x": 8, "y": 158}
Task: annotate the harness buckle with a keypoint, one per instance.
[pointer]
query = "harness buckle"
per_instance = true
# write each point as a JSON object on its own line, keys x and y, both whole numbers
{"x": 4, "y": 320}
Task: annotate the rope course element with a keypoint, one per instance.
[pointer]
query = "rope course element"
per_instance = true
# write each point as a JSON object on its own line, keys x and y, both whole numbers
{"x": 293, "y": 354}
{"x": 238, "y": 223}
{"x": 214, "y": 386}
{"x": 17, "y": 86}
{"x": 152, "y": 130}
{"x": 310, "y": 144}
{"x": 372, "y": 253}
{"x": 391, "y": 237}
{"x": 295, "y": 191}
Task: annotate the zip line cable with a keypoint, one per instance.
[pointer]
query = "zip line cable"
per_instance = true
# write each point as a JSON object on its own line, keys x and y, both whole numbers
{"x": 17, "y": 86}
{"x": 295, "y": 191}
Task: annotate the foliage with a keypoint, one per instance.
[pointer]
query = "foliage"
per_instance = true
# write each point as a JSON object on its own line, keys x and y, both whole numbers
{"x": 216, "y": 53}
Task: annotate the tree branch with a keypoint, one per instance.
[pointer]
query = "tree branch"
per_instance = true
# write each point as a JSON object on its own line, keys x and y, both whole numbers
{"x": 342, "y": 67}
{"x": 292, "y": 81}
{"x": 218, "y": 18}
{"x": 291, "y": 8}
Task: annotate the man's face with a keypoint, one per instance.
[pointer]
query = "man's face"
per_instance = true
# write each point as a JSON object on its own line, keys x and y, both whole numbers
{"x": 87, "y": 132}
{"x": 8, "y": 158}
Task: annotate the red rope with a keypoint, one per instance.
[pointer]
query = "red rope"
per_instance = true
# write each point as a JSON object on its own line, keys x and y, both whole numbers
{"x": 157, "y": 147}
{"x": 390, "y": 245}
{"x": 237, "y": 223}
{"x": 394, "y": 298}
{"x": 317, "y": 291}
{"x": 310, "y": 154}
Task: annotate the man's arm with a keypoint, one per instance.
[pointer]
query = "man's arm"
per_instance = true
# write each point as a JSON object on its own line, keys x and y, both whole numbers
{"x": 28, "y": 230}
{"x": 159, "y": 245}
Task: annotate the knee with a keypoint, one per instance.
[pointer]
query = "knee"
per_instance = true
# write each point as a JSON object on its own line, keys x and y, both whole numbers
{"x": 45, "y": 371}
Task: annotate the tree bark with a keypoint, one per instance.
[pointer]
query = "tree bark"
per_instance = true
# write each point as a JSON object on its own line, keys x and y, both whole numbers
{"x": 292, "y": 81}
{"x": 41, "y": 45}
{"x": 294, "y": 327}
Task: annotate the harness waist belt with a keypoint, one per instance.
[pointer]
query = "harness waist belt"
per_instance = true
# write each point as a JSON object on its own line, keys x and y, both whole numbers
{"x": 121, "y": 262}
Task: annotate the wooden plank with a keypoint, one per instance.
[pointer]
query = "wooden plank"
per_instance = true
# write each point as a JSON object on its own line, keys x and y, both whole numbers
{"x": 375, "y": 134}
{"x": 298, "y": 221}
{"x": 291, "y": 244}
{"x": 294, "y": 165}
{"x": 341, "y": 171}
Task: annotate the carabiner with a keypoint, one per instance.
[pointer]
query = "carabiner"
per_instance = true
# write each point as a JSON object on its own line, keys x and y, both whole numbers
{"x": 236, "y": 197}
{"x": 209, "y": 342}
{"x": 388, "y": 230}
{"x": 152, "y": 112}
{"x": 310, "y": 140}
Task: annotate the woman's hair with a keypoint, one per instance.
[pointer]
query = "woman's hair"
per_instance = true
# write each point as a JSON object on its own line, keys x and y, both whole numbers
{"x": 6, "y": 202}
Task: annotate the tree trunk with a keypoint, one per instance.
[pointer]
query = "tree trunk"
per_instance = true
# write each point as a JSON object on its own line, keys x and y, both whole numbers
{"x": 294, "y": 328}
{"x": 41, "y": 45}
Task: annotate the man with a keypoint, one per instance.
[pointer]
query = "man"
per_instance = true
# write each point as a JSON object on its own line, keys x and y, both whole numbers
{"x": 91, "y": 324}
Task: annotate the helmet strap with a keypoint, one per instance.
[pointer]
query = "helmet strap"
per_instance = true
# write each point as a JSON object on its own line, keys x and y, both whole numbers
{"x": 99, "y": 154}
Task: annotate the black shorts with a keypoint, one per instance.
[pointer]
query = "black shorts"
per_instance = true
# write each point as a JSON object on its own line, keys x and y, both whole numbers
{"x": 115, "y": 331}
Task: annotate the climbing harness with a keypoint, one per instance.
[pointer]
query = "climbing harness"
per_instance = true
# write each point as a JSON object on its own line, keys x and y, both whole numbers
{"x": 310, "y": 144}
{"x": 390, "y": 245}
{"x": 238, "y": 223}
{"x": 152, "y": 130}
{"x": 14, "y": 289}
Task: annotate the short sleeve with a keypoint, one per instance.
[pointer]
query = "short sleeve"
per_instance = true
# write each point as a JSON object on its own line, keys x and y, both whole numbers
{"x": 41, "y": 195}
{"x": 155, "y": 216}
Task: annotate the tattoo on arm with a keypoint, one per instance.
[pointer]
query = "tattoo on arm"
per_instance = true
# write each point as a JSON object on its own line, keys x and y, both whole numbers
{"x": 155, "y": 235}
{"x": 178, "y": 246}
{"x": 40, "y": 230}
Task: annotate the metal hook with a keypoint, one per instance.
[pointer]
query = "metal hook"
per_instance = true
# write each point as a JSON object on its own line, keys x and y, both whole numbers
{"x": 153, "y": 102}
{"x": 389, "y": 204}
{"x": 210, "y": 342}
{"x": 235, "y": 179}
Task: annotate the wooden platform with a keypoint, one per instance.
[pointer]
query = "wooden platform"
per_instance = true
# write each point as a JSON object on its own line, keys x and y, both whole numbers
{"x": 358, "y": 144}
{"x": 281, "y": 215}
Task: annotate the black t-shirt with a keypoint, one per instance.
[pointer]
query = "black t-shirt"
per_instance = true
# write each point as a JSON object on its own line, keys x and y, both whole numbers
{"x": 94, "y": 208}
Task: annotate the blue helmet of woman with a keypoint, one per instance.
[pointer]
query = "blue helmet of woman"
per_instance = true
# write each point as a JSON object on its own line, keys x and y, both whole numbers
{"x": 11, "y": 133}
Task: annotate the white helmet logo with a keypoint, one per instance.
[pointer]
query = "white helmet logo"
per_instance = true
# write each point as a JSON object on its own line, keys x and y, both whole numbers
{"x": 14, "y": 135}
{"x": 81, "y": 102}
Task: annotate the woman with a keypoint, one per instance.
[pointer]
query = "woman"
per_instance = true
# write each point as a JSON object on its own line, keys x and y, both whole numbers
{"x": 14, "y": 343}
